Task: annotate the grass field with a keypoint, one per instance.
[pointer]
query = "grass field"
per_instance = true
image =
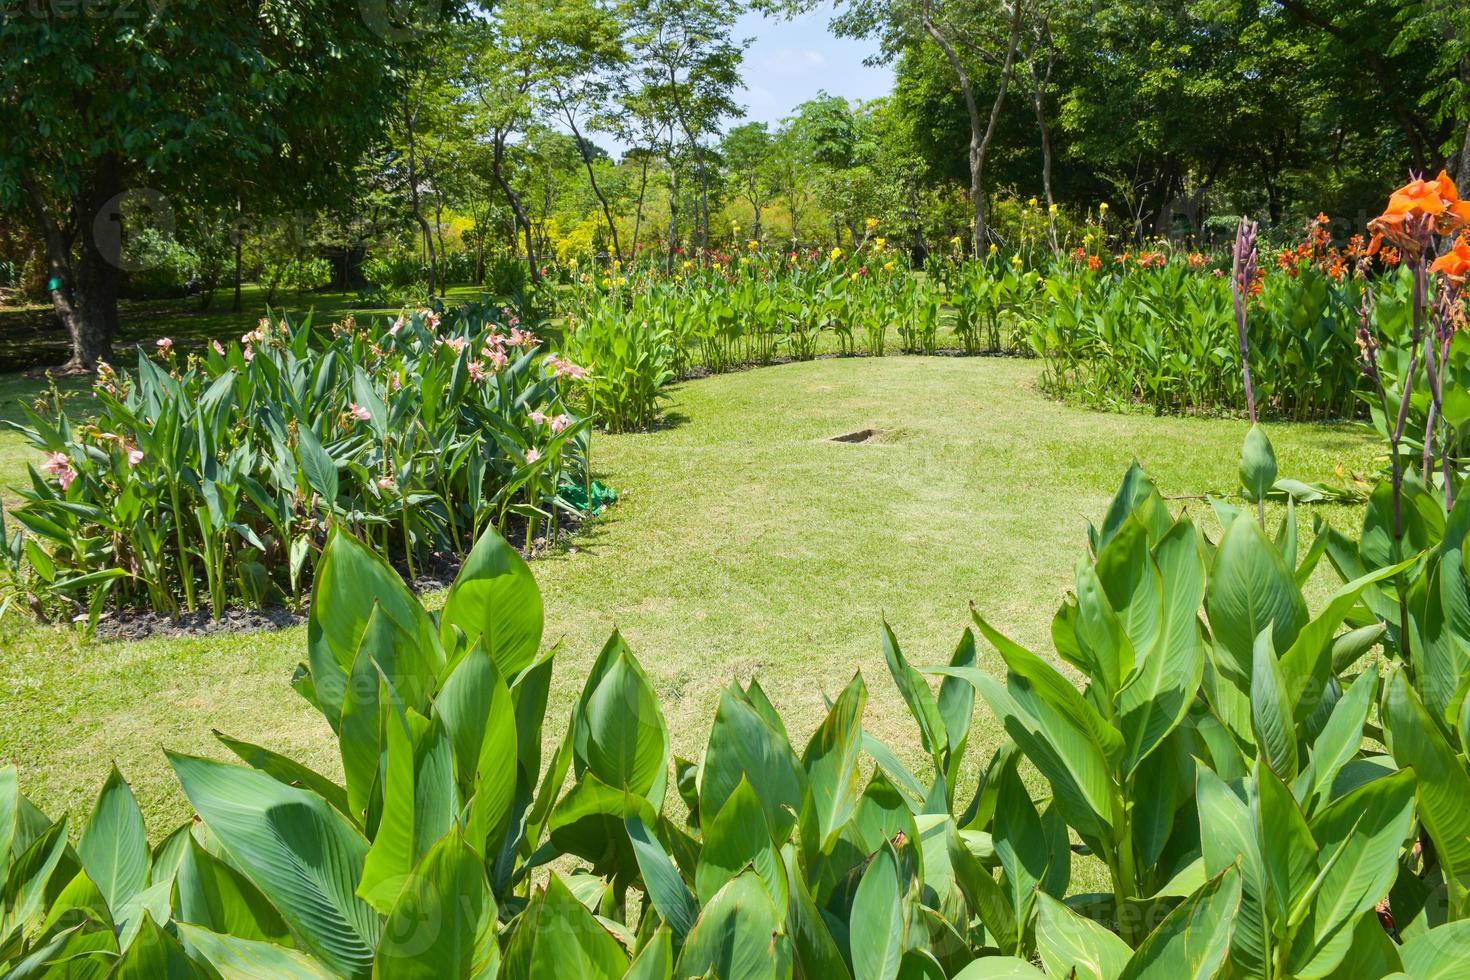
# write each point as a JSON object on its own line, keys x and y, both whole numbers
{"x": 746, "y": 544}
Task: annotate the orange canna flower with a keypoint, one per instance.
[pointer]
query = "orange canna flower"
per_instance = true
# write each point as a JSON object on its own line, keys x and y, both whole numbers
{"x": 1454, "y": 265}
{"x": 1423, "y": 205}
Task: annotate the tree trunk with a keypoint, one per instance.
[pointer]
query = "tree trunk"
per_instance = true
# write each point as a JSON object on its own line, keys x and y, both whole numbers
{"x": 673, "y": 213}
{"x": 517, "y": 208}
{"x": 612, "y": 226}
{"x": 980, "y": 140}
{"x": 413, "y": 196}
{"x": 638, "y": 213}
{"x": 1464, "y": 179}
{"x": 1038, "y": 102}
{"x": 755, "y": 205}
{"x": 84, "y": 296}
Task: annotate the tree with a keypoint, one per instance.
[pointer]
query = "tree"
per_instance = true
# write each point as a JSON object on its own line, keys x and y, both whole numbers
{"x": 688, "y": 63}
{"x": 970, "y": 34}
{"x": 110, "y": 113}
{"x": 749, "y": 155}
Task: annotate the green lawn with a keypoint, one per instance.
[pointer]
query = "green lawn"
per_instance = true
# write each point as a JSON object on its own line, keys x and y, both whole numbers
{"x": 746, "y": 544}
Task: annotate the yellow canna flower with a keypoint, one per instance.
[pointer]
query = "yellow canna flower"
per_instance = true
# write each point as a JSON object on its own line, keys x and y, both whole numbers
{"x": 1052, "y": 209}
{"x": 955, "y": 241}
{"x": 688, "y": 263}
{"x": 752, "y": 244}
{"x": 1103, "y": 207}
{"x": 1033, "y": 202}
{"x": 872, "y": 224}
{"x": 1016, "y": 260}
{"x": 888, "y": 266}
{"x": 879, "y": 244}
{"x": 994, "y": 248}
{"x": 835, "y": 254}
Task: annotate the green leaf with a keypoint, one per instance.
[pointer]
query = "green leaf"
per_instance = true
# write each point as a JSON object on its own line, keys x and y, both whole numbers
{"x": 1000, "y": 968}
{"x": 743, "y": 746}
{"x": 495, "y": 600}
{"x": 443, "y": 923}
{"x": 212, "y": 895}
{"x": 351, "y": 583}
{"x": 1167, "y": 676}
{"x": 1443, "y": 784}
{"x": 1249, "y": 589}
{"x": 834, "y": 781}
{"x": 740, "y": 935}
{"x": 558, "y": 937}
{"x": 231, "y": 956}
{"x": 1441, "y": 953}
{"x": 736, "y": 838}
{"x": 299, "y": 852}
{"x": 656, "y": 960}
{"x": 661, "y": 880}
{"x": 475, "y": 708}
{"x": 621, "y": 736}
{"x": 1191, "y": 942}
{"x": 1366, "y": 827}
{"x": 420, "y": 805}
{"x": 1073, "y": 946}
{"x": 154, "y": 953}
{"x": 1271, "y": 718}
{"x": 1020, "y": 843}
{"x": 1342, "y": 736}
{"x": 916, "y": 694}
{"x": 876, "y": 930}
{"x": 114, "y": 844}
{"x": 1231, "y": 841}
{"x": 1288, "y": 851}
{"x": 1257, "y": 465}
{"x": 318, "y": 465}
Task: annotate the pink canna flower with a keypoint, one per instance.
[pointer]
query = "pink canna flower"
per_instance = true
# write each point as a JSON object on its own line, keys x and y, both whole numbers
{"x": 135, "y": 456}
{"x": 560, "y": 423}
{"x": 398, "y": 325}
{"x": 564, "y": 368}
{"x": 498, "y": 359}
{"x": 59, "y": 466}
{"x": 539, "y": 418}
{"x": 386, "y": 483}
{"x": 531, "y": 456}
{"x": 477, "y": 371}
{"x": 359, "y": 413}
{"x": 219, "y": 348}
{"x": 165, "y": 345}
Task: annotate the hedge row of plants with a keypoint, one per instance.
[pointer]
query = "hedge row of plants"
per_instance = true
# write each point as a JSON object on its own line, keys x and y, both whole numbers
{"x": 1269, "y": 792}
{"x": 210, "y": 480}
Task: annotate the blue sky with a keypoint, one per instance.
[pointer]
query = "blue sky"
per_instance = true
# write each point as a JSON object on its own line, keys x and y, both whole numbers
{"x": 792, "y": 60}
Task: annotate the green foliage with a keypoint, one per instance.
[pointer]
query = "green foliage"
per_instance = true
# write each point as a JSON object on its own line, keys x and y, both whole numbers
{"x": 216, "y": 474}
{"x": 1248, "y": 824}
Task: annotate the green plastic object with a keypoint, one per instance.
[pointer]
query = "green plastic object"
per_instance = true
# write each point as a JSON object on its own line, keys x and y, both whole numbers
{"x": 602, "y": 497}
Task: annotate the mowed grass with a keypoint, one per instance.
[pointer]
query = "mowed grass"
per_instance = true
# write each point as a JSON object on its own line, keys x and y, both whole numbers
{"x": 746, "y": 544}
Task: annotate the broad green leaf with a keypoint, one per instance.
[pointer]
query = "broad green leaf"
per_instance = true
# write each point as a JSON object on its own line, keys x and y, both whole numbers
{"x": 1020, "y": 843}
{"x": 1134, "y": 590}
{"x": 1442, "y": 787}
{"x": 1250, "y": 588}
{"x": 249, "y": 959}
{"x": 288, "y": 771}
{"x": 743, "y": 746}
{"x": 558, "y": 937}
{"x": 1167, "y": 676}
{"x": 656, "y": 960}
{"x": 876, "y": 928}
{"x": 736, "y": 838}
{"x": 1073, "y": 946}
{"x": 318, "y": 465}
{"x": 154, "y": 953}
{"x": 1271, "y": 718}
{"x": 661, "y": 880}
{"x": 214, "y": 896}
{"x": 621, "y": 735}
{"x": 1442, "y": 953}
{"x": 114, "y": 844}
{"x": 420, "y": 804}
{"x": 495, "y": 600}
{"x": 1342, "y": 736}
{"x": 1257, "y": 465}
{"x": 1191, "y": 942}
{"x": 834, "y": 781}
{"x": 816, "y": 952}
{"x": 475, "y": 708}
{"x": 299, "y": 852}
{"x": 351, "y": 582}
{"x": 1367, "y": 826}
{"x": 1288, "y": 851}
{"x": 740, "y": 935}
{"x": 590, "y": 822}
{"x": 1231, "y": 841}
{"x": 916, "y": 694}
{"x": 999, "y": 968}
{"x": 443, "y": 923}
